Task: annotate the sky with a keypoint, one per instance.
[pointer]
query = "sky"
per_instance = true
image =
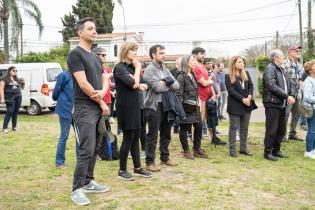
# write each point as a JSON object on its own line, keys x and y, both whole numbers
{"x": 224, "y": 27}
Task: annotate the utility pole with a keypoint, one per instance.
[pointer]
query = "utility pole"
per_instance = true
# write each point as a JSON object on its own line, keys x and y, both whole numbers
{"x": 277, "y": 39}
{"x": 310, "y": 38}
{"x": 301, "y": 32}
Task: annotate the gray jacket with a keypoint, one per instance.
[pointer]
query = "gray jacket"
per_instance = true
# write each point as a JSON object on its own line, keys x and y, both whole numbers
{"x": 153, "y": 76}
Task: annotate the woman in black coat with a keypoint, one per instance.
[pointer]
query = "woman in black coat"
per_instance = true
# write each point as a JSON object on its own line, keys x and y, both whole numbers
{"x": 240, "y": 104}
{"x": 188, "y": 95}
{"x": 128, "y": 108}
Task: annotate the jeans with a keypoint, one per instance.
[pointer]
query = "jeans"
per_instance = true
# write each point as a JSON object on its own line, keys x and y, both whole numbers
{"x": 64, "y": 134}
{"x": 238, "y": 122}
{"x": 303, "y": 120}
{"x": 310, "y": 136}
{"x": 184, "y": 128}
{"x": 222, "y": 102}
{"x": 157, "y": 121}
{"x": 295, "y": 115}
{"x": 86, "y": 118}
{"x": 12, "y": 112}
{"x": 275, "y": 129}
{"x": 130, "y": 143}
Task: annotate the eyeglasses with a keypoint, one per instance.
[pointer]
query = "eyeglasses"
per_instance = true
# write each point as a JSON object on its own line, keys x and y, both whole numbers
{"x": 103, "y": 55}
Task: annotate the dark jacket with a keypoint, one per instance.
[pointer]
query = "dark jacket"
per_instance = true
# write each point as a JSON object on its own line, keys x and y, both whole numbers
{"x": 63, "y": 94}
{"x": 188, "y": 91}
{"x": 128, "y": 100}
{"x": 237, "y": 94}
{"x": 274, "y": 94}
{"x": 172, "y": 105}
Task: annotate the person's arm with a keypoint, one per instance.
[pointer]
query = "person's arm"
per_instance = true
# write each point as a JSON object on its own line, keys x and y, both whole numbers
{"x": 84, "y": 85}
{"x": 270, "y": 83}
{"x": 231, "y": 90}
{"x": 180, "y": 91}
{"x": 58, "y": 86}
{"x": 156, "y": 84}
{"x": 309, "y": 92}
{"x": 100, "y": 94}
{"x": 121, "y": 73}
{"x": 2, "y": 84}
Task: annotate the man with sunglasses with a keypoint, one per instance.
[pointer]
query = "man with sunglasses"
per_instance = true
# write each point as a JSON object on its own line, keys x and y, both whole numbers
{"x": 295, "y": 70}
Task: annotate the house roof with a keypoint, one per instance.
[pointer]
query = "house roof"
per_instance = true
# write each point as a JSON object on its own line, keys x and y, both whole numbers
{"x": 111, "y": 35}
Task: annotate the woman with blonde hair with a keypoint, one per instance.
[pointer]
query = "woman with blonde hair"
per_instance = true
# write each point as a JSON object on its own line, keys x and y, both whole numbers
{"x": 128, "y": 108}
{"x": 240, "y": 104}
{"x": 309, "y": 97}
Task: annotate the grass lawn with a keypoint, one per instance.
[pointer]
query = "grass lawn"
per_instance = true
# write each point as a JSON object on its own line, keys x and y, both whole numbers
{"x": 31, "y": 181}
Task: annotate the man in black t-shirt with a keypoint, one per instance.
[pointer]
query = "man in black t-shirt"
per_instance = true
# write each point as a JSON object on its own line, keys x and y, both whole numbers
{"x": 90, "y": 86}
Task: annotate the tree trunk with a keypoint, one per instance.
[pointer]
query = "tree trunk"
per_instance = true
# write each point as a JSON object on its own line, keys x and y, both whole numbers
{"x": 6, "y": 40}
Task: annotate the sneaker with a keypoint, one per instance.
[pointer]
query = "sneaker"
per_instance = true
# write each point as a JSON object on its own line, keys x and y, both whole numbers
{"x": 5, "y": 131}
{"x": 78, "y": 196}
{"x": 15, "y": 129}
{"x": 93, "y": 187}
{"x": 309, "y": 154}
{"x": 62, "y": 166}
{"x": 143, "y": 173}
{"x": 124, "y": 175}
{"x": 313, "y": 151}
{"x": 295, "y": 138}
{"x": 142, "y": 154}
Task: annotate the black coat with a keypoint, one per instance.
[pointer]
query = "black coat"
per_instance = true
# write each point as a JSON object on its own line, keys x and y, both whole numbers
{"x": 188, "y": 91}
{"x": 128, "y": 100}
{"x": 274, "y": 94}
{"x": 236, "y": 94}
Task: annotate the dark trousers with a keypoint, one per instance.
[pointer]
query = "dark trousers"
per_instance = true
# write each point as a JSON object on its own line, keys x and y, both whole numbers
{"x": 184, "y": 129}
{"x": 275, "y": 128}
{"x": 238, "y": 122}
{"x": 157, "y": 120}
{"x": 295, "y": 115}
{"x": 12, "y": 112}
{"x": 130, "y": 143}
{"x": 143, "y": 132}
{"x": 86, "y": 118}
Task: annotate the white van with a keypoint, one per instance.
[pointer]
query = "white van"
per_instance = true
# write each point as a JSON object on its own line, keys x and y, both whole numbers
{"x": 40, "y": 80}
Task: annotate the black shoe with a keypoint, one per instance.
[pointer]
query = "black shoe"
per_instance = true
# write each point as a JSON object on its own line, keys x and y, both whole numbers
{"x": 142, "y": 172}
{"x": 233, "y": 154}
{"x": 295, "y": 138}
{"x": 270, "y": 157}
{"x": 246, "y": 152}
{"x": 124, "y": 175}
{"x": 218, "y": 141}
{"x": 279, "y": 154}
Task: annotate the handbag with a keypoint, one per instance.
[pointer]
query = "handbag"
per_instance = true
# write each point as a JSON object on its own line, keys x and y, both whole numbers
{"x": 253, "y": 105}
{"x": 190, "y": 106}
{"x": 305, "y": 109}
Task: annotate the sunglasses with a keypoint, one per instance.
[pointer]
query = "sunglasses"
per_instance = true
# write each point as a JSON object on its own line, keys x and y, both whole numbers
{"x": 14, "y": 70}
{"x": 103, "y": 55}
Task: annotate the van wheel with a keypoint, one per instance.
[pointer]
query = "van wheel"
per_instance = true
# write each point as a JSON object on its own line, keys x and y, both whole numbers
{"x": 51, "y": 108}
{"x": 34, "y": 108}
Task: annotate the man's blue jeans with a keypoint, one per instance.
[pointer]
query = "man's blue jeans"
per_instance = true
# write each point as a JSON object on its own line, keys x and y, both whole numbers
{"x": 310, "y": 136}
{"x": 61, "y": 146}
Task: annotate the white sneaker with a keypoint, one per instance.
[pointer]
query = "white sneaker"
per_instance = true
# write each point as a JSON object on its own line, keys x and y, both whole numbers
{"x": 5, "y": 131}
{"x": 309, "y": 155}
{"x": 313, "y": 151}
{"x": 78, "y": 197}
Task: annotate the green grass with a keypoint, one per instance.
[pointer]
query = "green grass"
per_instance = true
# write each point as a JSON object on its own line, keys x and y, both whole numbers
{"x": 31, "y": 181}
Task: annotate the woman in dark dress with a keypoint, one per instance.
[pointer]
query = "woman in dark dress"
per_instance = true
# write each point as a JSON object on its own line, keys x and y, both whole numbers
{"x": 128, "y": 108}
{"x": 239, "y": 104}
{"x": 10, "y": 94}
{"x": 188, "y": 95}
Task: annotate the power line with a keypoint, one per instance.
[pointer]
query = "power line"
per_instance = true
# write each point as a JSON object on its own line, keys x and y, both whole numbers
{"x": 290, "y": 19}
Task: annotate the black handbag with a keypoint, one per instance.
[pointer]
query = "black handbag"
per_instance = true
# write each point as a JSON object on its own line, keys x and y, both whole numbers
{"x": 253, "y": 105}
{"x": 190, "y": 106}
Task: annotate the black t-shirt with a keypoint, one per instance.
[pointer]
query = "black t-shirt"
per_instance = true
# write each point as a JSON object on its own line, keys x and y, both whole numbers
{"x": 82, "y": 60}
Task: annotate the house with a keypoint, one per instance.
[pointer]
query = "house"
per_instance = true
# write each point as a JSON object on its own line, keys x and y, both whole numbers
{"x": 112, "y": 42}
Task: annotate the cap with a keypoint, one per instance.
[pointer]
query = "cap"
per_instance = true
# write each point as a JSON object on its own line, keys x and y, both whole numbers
{"x": 294, "y": 47}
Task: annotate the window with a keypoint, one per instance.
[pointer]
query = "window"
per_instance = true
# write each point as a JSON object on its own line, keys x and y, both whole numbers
{"x": 52, "y": 74}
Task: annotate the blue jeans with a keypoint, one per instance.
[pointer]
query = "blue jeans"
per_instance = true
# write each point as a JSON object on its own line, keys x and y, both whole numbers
{"x": 61, "y": 146}
{"x": 12, "y": 111}
{"x": 302, "y": 120}
{"x": 310, "y": 136}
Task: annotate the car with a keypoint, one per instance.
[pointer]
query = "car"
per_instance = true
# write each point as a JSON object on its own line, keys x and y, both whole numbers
{"x": 40, "y": 80}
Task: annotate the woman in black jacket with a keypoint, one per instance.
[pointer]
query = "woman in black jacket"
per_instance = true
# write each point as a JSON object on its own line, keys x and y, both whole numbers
{"x": 128, "y": 108}
{"x": 188, "y": 95}
{"x": 240, "y": 104}
{"x": 10, "y": 94}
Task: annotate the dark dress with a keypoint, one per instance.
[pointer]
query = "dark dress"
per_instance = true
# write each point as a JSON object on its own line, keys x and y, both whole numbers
{"x": 128, "y": 100}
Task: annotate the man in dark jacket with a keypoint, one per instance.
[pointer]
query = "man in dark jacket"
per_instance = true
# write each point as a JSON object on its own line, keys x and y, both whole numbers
{"x": 276, "y": 96}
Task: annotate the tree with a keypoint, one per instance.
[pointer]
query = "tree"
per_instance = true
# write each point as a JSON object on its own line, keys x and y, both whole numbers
{"x": 101, "y": 10}
{"x": 10, "y": 10}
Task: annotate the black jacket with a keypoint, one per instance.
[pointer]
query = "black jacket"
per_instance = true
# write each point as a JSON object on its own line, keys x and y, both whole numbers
{"x": 188, "y": 90}
{"x": 274, "y": 94}
{"x": 237, "y": 93}
{"x": 172, "y": 105}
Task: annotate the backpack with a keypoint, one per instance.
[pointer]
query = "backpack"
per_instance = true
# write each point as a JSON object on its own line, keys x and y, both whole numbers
{"x": 108, "y": 148}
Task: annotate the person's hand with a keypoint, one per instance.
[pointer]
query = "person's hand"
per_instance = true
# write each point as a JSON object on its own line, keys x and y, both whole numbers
{"x": 98, "y": 95}
{"x": 2, "y": 101}
{"x": 169, "y": 81}
{"x": 143, "y": 87}
{"x": 218, "y": 95}
{"x": 113, "y": 94}
{"x": 246, "y": 101}
{"x": 291, "y": 100}
{"x": 136, "y": 64}
{"x": 104, "y": 107}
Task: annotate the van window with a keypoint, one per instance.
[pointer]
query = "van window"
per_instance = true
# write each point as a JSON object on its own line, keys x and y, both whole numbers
{"x": 52, "y": 74}
{"x": 2, "y": 73}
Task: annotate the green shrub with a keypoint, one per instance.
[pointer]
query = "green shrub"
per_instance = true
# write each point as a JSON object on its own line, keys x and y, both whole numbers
{"x": 261, "y": 62}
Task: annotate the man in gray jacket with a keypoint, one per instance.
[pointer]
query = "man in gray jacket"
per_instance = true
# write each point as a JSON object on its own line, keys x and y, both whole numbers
{"x": 160, "y": 80}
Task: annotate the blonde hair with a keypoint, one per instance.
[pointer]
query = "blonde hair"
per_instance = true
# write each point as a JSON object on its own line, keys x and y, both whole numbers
{"x": 232, "y": 69}
{"x": 308, "y": 66}
{"x": 124, "y": 49}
